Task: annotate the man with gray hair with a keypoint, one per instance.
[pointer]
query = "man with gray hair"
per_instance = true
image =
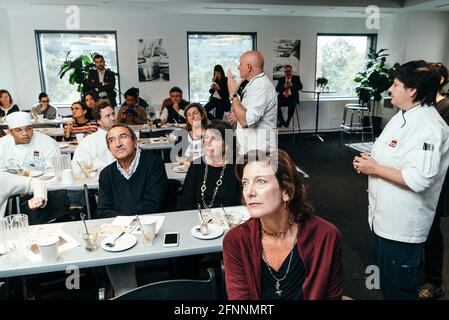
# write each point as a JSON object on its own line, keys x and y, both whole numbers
{"x": 256, "y": 112}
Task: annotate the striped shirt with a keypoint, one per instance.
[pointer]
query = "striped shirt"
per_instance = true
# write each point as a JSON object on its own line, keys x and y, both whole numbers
{"x": 85, "y": 128}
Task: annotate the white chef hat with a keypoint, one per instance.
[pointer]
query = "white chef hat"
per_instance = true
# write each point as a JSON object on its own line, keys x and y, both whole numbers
{"x": 18, "y": 119}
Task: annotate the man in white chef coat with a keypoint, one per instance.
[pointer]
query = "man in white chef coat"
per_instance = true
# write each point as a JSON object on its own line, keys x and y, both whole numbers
{"x": 23, "y": 148}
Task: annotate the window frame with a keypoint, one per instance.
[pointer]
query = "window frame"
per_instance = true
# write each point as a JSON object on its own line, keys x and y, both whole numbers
{"x": 372, "y": 44}
{"x": 37, "y": 34}
{"x": 252, "y": 34}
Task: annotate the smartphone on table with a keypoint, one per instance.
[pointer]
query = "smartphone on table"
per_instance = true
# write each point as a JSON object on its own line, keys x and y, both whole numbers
{"x": 171, "y": 239}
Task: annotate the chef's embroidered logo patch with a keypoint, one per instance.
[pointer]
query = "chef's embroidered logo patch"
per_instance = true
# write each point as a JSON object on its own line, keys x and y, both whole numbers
{"x": 393, "y": 143}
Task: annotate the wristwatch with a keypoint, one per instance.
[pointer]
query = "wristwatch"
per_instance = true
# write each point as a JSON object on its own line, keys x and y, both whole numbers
{"x": 235, "y": 95}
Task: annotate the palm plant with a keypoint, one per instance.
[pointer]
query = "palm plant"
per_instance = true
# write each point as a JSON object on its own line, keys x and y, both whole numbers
{"x": 79, "y": 68}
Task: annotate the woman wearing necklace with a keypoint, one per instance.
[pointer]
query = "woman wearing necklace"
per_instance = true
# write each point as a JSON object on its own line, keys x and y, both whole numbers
{"x": 6, "y": 104}
{"x": 405, "y": 172}
{"x": 212, "y": 182}
{"x": 196, "y": 122}
{"x": 283, "y": 251}
{"x": 79, "y": 124}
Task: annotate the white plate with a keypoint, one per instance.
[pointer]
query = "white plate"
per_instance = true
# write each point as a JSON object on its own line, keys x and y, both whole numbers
{"x": 214, "y": 232}
{"x": 63, "y": 145}
{"x": 180, "y": 169}
{"x": 123, "y": 243}
{"x": 36, "y": 173}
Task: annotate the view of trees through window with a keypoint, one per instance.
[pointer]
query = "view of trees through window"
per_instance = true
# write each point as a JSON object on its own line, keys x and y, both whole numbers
{"x": 209, "y": 49}
{"x": 339, "y": 58}
{"x": 53, "y": 48}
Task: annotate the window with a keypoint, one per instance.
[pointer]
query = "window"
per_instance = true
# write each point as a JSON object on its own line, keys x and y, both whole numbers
{"x": 52, "y": 47}
{"x": 209, "y": 49}
{"x": 339, "y": 58}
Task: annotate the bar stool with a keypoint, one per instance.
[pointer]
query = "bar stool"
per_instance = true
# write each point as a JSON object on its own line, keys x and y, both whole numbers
{"x": 293, "y": 120}
{"x": 358, "y": 112}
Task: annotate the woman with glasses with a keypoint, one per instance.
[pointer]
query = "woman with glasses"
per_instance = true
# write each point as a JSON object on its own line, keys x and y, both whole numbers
{"x": 44, "y": 108}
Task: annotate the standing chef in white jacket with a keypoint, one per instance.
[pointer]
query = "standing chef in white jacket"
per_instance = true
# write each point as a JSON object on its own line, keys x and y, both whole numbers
{"x": 12, "y": 184}
{"x": 93, "y": 148}
{"x": 405, "y": 174}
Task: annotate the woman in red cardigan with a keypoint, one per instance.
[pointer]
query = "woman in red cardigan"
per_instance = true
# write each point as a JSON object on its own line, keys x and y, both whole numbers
{"x": 283, "y": 251}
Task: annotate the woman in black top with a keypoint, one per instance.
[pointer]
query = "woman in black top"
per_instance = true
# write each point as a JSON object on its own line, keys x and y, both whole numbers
{"x": 219, "y": 98}
{"x": 211, "y": 182}
{"x": 6, "y": 104}
{"x": 89, "y": 100}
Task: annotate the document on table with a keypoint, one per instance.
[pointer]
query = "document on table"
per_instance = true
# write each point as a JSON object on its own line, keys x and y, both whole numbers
{"x": 66, "y": 242}
{"x": 129, "y": 224}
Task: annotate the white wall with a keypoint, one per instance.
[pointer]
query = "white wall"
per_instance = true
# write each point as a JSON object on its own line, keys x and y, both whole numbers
{"x": 131, "y": 26}
{"x": 414, "y": 36}
{"x": 7, "y": 79}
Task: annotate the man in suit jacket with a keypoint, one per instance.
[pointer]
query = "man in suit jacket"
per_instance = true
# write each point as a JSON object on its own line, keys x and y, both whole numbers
{"x": 102, "y": 81}
{"x": 288, "y": 88}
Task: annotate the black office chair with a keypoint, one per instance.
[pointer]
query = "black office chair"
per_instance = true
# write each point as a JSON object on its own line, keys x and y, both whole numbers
{"x": 223, "y": 282}
{"x": 363, "y": 122}
{"x": 175, "y": 290}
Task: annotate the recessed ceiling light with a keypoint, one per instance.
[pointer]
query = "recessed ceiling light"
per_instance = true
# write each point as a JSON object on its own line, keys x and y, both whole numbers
{"x": 234, "y": 9}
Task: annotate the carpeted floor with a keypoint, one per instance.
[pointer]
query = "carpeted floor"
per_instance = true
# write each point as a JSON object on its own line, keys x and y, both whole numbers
{"x": 339, "y": 195}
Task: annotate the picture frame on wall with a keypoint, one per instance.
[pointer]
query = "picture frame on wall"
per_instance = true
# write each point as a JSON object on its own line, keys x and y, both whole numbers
{"x": 153, "y": 60}
{"x": 285, "y": 52}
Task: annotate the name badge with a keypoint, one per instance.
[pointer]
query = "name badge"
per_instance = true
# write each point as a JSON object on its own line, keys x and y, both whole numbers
{"x": 393, "y": 143}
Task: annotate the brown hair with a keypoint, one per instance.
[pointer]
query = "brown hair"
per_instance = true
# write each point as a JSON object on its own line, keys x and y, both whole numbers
{"x": 288, "y": 178}
{"x": 100, "y": 105}
{"x": 9, "y": 95}
{"x": 201, "y": 110}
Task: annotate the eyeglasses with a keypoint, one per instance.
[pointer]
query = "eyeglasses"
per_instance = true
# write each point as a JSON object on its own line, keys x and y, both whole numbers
{"x": 121, "y": 138}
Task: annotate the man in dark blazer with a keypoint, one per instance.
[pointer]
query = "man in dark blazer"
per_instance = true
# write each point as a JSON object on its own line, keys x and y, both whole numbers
{"x": 288, "y": 88}
{"x": 101, "y": 81}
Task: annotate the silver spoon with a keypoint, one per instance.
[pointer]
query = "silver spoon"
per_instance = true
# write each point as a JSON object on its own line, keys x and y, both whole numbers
{"x": 112, "y": 244}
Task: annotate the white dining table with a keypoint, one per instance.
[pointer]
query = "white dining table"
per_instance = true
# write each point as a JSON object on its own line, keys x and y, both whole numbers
{"x": 78, "y": 257}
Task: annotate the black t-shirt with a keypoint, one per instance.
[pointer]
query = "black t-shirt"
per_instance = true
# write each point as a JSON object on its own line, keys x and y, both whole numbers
{"x": 228, "y": 194}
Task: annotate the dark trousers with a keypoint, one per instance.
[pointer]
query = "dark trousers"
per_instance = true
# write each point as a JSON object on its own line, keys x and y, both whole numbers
{"x": 291, "y": 104}
{"x": 433, "y": 253}
{"x": 398, "y": 264}
{"x": 219, "y": 108}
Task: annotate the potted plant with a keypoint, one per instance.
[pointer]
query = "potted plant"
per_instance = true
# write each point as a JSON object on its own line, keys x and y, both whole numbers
{"x": 322, "y": 83}
{"x": 79, "y": 68}
{"x": 377, "y": 78}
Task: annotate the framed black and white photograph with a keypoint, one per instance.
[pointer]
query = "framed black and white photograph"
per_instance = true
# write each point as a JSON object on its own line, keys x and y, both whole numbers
{"x": 285, "y": 51}
{"x": 152, "y": 60}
